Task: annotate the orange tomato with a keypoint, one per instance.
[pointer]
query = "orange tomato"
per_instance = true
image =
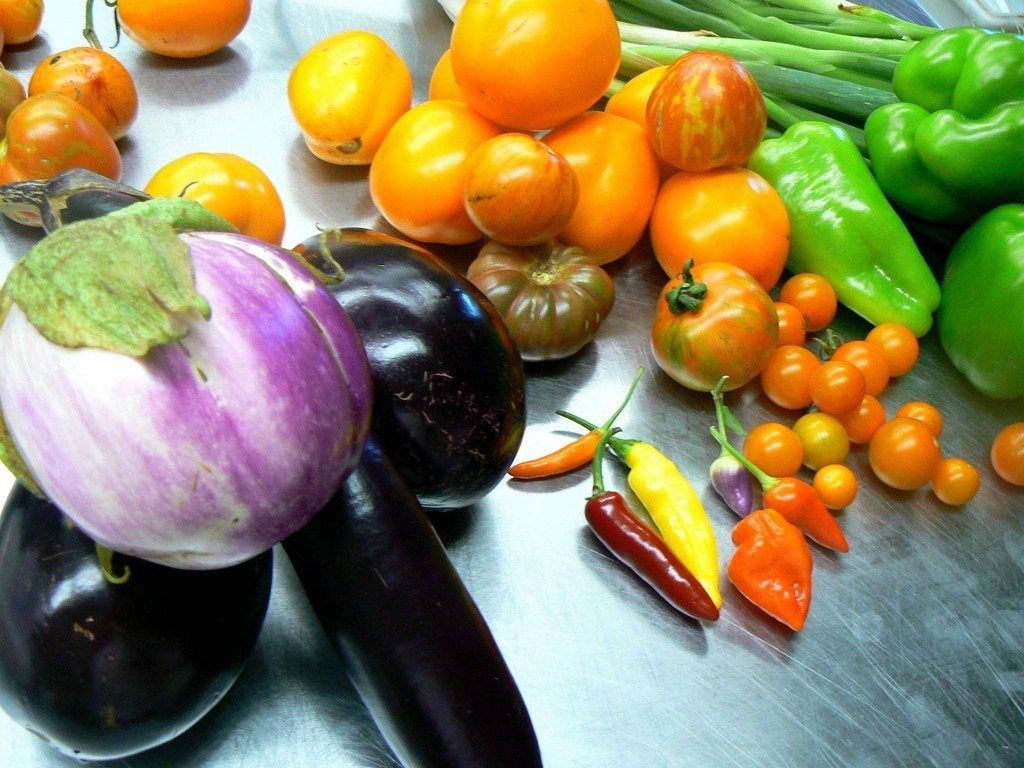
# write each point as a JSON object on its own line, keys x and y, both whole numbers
{"x": 706, "y": 112}
{"x": 904, "y": 453}
{"x": 94, "y": 79}
{"x": 226, "y": 184}
{"x": 442, "y": 80}
{"x": 1007, "y": 454}
{"x": 518, "y": 191}
{"x": 925, "y": 412}
{"x": 183, "y": 29}
{"x": 631, "y": 100}
{"x": 534, "y": 64}
{"x": 955, "y": 482}
{"x": 727, "y": 329}
{"x": 12, "y": 93}
{"x": 346, "y": 93}
{"x": 814, "y": 296}
{"x": 869, "y": 360}
{"x": 20, "y": 20}
{"x": 863, "y": 421}
{"x": 775, "y": 449}
{"x": 792, "y": 326}
{"x": 618, "y": 178}
{"x": 729, "y": 214}
{"x": 418, "y": 176}
{"x": 837, "y": 387}
{"x": 836, "y": 486}
{"x": 786, "y": 376}
{"x": 49, "y": 133}
{"x": 899, "y": 345}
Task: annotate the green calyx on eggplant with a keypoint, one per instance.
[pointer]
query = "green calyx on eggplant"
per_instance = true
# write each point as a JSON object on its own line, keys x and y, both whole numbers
{"x": 103, "y": 670}
{"x": 449, "y": 386}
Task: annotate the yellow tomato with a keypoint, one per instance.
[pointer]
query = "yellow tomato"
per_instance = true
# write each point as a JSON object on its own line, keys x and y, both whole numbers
{"x": 183, "y": 29}
{"x": 20, "y": 20}
{"x": 533, "y": 64}
{"x": 12, "y": 93}
{"x": 631, "y": 100}
{"x": 346, "y": 93}
{"x": 442, "y": 80}
{"x": 228, "y": 185}
{"x": 618, "y": 179}
{"x": 418, "y": 177}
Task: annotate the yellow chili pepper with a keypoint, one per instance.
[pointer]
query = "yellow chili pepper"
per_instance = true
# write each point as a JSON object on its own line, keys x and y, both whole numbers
{"x": 674, "y": 507}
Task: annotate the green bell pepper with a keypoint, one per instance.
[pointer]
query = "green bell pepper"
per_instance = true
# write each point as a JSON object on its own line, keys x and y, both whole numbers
{"x": 953, "y": 147}
{"x": 843, "y": 228}
{"x": 981, "y": 317}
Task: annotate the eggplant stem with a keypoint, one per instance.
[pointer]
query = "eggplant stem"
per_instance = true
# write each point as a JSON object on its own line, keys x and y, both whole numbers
{"x": 106, "y": 557}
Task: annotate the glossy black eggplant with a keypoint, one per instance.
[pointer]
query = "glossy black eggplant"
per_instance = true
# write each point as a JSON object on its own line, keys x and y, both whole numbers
{"x": 417, "y": 649}
{"x": 449, "y": 387}
{"x": 103, "y": 670}
{"x": 72, "y": 195}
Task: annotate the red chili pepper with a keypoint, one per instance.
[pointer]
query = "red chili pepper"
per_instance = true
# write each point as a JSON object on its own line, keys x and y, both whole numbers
{"x": 772, "y": 566}
{"x": 573, "y": 455}
{"x": 636, "y": 545}
{"x": 795, "y": 500}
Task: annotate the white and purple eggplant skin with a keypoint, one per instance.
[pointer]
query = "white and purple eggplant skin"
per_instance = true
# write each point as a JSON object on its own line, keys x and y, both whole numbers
{"x": 207, "y": 450}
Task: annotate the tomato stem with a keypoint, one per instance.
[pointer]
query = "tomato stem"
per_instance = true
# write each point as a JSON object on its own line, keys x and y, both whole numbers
{"x": 688, "y": 296}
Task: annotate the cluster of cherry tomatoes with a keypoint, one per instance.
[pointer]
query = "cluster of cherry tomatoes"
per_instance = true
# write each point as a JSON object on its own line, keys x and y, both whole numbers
{"x": 843, "y": 394}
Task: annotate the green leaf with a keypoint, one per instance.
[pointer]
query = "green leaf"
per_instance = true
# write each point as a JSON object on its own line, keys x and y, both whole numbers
{"x": 122, "y": 283}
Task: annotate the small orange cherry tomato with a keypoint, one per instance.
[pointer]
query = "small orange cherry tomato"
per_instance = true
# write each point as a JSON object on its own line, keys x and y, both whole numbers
{"x": 869, "y": 360}
{"x": 862, "y": 422}
{"x": 730, "y": 215}
{"x": 226, "y": 184}
{"x": 775, "y": 448}
{"x": 20, "y": 20}
{"x": 814, "y": 296}
{"x": 792, "y": 326}
{"x": 904, "y": 453}
{"x": 12, "y": 93}
{"x": 183, "y": 29}
{"x": 836, "y": 486}
{"x": 418, "y": 176}
{"x": 786, "y": 376}
{"x": 618, "y": 177}
{"x": 94, "y": 79}
{"x": 706, "y": 112}
{"x": 955, "y": 482}
{"x": 519, "y": 191}
{"x": 346, "y": 93}
{"x": 837, "y": 387}
{"x": 1007, "y": 453}
{"x": 899, "y": 345}
{"x": 824, "y": 439}
{"x": 925, "y": 412}
{"x": 442, "y": 80}
{"x": 50, "y": 133}
{"x": 534, "y": 64}
{"x": 631, "y": 100}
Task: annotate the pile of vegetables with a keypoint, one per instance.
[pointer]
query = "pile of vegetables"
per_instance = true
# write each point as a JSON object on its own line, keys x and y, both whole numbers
{"x": 209, "y": 394}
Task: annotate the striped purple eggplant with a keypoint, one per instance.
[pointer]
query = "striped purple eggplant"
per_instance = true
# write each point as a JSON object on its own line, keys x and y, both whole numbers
{"x": 206, "y": 449}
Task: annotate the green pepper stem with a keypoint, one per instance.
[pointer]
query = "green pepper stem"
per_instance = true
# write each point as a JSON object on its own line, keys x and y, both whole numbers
{"x": 767, "y": 481}
{"x": 629, "y": 396}
{"x": 726, "y": 418}
{"x": 619, "y": 445}
{"x": 598, "y": 462}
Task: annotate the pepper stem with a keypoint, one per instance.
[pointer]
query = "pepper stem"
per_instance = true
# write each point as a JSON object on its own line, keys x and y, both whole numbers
{"x": 767, "y": 481}
{"x": 598, "y": 462}
{"x": 106, "y": 556}
{"x": 625, "y": 400}
{"x": 688, "y": 296}
{"x": 727, "y": 421}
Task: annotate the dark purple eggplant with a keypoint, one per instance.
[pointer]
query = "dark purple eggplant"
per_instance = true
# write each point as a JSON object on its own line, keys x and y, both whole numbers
{"x": 103, "y": 670}
{"x": 416, "y": 647}
{"x": 449, "y": 387}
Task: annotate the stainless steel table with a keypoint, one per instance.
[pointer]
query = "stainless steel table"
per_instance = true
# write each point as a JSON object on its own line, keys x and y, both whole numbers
{"x": 912, "y": 654}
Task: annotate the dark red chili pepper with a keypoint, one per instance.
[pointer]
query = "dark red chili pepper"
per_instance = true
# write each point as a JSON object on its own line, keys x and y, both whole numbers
{"x": 637, "y": 546}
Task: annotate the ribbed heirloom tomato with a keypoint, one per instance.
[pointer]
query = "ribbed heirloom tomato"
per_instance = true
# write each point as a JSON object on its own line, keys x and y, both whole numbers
{"x": 533, "y": 64}
{"x": 226, "y": 184}
{"x": 183, "y": 29}
{"x": 93, "y": 78}
{"x": 418, "y": 176}
{"x": 618, "y": 177}
{"x": 706, "y": 112}
{"x": 729, "y": 214}
{"x": 716, "y": 321}
{"x": 346, "y": 93}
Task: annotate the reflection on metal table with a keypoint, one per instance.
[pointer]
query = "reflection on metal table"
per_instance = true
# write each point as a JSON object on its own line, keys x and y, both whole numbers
{"x": 912, "y": 654}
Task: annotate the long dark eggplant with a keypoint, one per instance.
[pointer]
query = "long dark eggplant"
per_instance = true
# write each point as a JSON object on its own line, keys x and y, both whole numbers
{"x": 417, "y": 648}
{"x": 103, "y": 670}
{"x": 449, "y": 386}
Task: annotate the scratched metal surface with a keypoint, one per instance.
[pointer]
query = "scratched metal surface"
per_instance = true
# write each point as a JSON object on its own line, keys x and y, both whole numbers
{"x": 912, "y": 655}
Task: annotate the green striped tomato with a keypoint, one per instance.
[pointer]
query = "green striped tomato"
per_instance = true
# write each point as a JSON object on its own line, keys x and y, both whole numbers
{"x": 706, "y": 112}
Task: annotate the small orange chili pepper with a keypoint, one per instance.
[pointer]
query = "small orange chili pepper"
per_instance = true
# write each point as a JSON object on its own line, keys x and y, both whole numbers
{"x": 575, "y": 454}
